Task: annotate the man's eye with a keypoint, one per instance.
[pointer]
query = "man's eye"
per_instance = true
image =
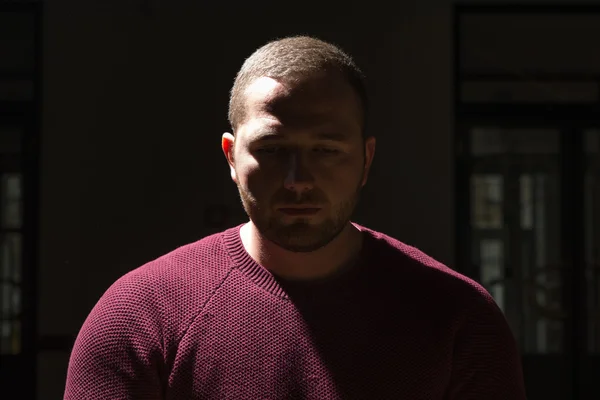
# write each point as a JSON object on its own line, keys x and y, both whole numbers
{"x": 267, "y": 150}
{"x": 326, "y": 150}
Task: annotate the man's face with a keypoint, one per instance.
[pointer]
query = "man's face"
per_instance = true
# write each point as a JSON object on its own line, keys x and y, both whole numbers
{"x": 299, "y": 159}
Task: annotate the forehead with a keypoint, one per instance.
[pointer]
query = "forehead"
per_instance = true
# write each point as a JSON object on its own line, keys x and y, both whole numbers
{"x": 303, "y": 104}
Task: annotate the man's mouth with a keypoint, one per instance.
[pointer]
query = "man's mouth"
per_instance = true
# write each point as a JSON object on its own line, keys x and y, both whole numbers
{"x": 299, "y": 211}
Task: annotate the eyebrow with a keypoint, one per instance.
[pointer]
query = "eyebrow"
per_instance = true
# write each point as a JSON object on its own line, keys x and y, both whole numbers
{"x": 272, "y": 136}
{"x": 334, "y": 136}
{"x": 266, "y": 136}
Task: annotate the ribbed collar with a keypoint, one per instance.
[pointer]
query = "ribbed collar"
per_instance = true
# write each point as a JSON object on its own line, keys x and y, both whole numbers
{"x": 265, "y": 279}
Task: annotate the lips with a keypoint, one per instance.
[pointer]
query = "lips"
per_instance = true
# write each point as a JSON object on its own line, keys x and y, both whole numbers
{"x": 299, "y": 211}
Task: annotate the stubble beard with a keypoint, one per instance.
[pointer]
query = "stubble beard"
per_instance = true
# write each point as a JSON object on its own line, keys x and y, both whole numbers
{"x": 301, "y": 235}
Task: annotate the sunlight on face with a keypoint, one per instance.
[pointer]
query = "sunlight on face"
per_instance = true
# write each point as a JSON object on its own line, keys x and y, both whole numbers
{"x": 300, "y": 160}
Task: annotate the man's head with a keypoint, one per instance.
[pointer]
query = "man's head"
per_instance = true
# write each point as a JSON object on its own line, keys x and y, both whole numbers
{"x": 290, "y": 59}
{"x": 298, "y": 153}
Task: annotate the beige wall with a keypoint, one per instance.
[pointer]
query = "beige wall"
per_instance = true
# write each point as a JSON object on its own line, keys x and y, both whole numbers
{"x": 134, "y": 109}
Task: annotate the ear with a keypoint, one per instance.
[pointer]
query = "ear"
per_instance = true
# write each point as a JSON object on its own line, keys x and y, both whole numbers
{"x": 370, "y": 143}
{"x": 227, "y": 144}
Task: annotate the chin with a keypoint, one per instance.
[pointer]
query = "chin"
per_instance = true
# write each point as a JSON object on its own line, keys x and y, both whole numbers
{"x": 300, "y": 222}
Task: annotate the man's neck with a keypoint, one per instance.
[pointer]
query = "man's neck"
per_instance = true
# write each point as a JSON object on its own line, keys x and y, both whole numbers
{"x": 302, "y": 266}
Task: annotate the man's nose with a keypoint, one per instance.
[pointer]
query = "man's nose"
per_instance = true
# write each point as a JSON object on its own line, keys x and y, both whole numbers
{"x": 298, "y": 178}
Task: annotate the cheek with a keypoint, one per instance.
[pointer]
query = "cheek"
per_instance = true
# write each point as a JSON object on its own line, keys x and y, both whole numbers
{"x": 342, "y": 175}
{"x": 246, "y": 169}
{"x": 258, "y": 182}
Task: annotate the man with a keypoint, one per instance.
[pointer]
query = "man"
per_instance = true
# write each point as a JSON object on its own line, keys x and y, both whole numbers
{"x": 298, "y": 303}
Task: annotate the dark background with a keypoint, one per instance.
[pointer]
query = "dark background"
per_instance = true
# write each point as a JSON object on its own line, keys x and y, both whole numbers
{"x": 486, "y": 114}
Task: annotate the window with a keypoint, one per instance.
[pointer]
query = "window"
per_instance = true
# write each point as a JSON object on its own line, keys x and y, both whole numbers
{"x": 10, "y": 261}
{"x": 17, "y": 84}
{"x": 527, "y": 109}
{"x": 514, "y": 229}
{"x": 592, "y": 235}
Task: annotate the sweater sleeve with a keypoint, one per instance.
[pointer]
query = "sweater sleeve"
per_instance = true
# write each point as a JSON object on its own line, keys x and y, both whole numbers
{"x": 486, "y": 360}
{"x": 118, "y": 351}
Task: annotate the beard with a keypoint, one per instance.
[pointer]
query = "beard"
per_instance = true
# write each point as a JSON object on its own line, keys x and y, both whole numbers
{"x": 302, "y": 235}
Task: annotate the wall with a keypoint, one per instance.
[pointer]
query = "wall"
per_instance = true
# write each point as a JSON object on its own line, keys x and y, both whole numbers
{"x": 134, "y": 106}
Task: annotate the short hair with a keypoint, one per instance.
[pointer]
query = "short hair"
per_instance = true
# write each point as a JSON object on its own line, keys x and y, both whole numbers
{"x": 296, "y": 56}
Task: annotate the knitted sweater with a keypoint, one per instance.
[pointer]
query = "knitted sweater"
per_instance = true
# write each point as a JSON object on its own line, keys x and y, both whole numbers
{"x": 207, "y": 322}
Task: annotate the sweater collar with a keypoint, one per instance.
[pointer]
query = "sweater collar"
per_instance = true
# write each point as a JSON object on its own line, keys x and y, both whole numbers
{"x": 267, "y": 280}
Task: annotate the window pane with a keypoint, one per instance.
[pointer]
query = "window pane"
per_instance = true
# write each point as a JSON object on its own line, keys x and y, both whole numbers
{"x": 492, "y": 269}
{"x": 592, "y": 228}
{"x": 10, "y": 292}
{"x": 11, "y": 299}
{"x": 11, "y": 201}
{"x": 494, "y": 140}
{"x": 528, "y": 92}
{"x": 10, "y": 273}
{"x": 486, "y": 201}
{"x": 518, "y": 258}
{"x": 526, "y": 186}
{"x": 523, "y": 43}
{"x": 543, "y": 308}
{"x": 10, "y": 341}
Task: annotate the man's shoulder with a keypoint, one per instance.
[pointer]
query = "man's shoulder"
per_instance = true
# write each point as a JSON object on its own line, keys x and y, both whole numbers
{"x": 201, "y": 259}
{"x": 412, "y": 264}
{"x": 171, "y": 288}
{"x": 189, "y": 271}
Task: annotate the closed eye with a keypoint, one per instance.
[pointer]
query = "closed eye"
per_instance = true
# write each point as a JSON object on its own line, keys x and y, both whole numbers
{"x": 272, "y": 150}
{"x": 267, "y": 150}
{"x": 326, "y": 150}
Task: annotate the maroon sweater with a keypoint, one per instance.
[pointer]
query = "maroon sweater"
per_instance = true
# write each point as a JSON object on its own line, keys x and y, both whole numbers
{"x": 207, "y": 322}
